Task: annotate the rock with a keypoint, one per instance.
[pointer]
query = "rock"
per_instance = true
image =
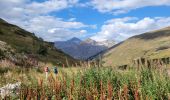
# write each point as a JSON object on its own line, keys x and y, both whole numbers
{"x": 9, "y": 89}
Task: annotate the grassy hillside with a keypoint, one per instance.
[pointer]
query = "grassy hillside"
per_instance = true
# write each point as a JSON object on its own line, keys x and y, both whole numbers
{"x": 26, "y": 43}
{"x": 155, "y": 44}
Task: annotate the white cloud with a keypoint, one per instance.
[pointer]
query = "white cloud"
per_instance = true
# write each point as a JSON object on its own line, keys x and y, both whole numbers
{"x": 72, "y": 19}
{"x": 34, "y": 17}
{"x": 123, "y": 28}
{"x": 57, "y": 34}
{"x": 52, "y": 29}
{"x": 123, "y": 6}
{"x": 32, "y": 8}
{"x": 46, "y": 6}
{"x": 83, "y": 31}
{"x": 17, "y": 8}
{"x": 125, "y": 19}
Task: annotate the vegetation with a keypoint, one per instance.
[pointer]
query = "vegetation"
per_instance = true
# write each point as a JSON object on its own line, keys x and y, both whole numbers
{"x": 151, "y": 45}
{"x": 1, "y": 54}
{"x": 90, "y": 83}
{"x": 26, "y": 43}
{"x": 42, "y": 50}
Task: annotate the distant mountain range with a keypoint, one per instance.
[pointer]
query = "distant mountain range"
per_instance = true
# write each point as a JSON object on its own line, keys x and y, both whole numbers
{"x": 83, "y": 49}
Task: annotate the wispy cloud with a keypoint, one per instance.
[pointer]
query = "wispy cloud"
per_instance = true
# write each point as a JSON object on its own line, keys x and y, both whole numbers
{"x": 72, "y": 19}
{"x": 123, "y": 6}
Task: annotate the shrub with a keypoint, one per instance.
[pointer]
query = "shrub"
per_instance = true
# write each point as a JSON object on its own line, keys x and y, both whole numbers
{"x": 42, "y": 50}
{"x": 2, "y": 55}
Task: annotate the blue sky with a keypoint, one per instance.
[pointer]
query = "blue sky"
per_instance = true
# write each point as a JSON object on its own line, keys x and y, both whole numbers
{"x": 92, "y": 16}
{"x": 58, "y": 20}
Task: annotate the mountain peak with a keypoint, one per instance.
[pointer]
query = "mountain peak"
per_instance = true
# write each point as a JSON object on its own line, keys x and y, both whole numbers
{"x": 75, "y": 40}
{"x": 107, "y": 43}
{"x": 90, "y": 41}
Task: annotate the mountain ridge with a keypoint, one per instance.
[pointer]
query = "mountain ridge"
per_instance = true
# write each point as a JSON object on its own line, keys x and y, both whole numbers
{"x": 26, "y": 43}
{"x": 152, "y": 44}
{"x": 83, "y": 50}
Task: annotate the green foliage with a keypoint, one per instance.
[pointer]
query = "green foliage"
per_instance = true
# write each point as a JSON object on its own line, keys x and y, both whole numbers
{"x": 152, "y": 84}
{"x": 42, "y": 50}
{"x": 25, "y": 50}
{"x": 155, "y": 84}
{"x": 4, "y": 70}
{"x": 2, "y": 55}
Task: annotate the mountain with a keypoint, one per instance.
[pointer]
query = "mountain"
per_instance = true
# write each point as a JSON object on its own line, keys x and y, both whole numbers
{"x": 89, "y": 41}
{"x": 82, "y": 49}
{"x": 107, "y": 43}
{"x": 75, "y": 40}
{"x": 17, "y": 43}
{"x": 155, "y": 44}
{"x": 67, "y": 44}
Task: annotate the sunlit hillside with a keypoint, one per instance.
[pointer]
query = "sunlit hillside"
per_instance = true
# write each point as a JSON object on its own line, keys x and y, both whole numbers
{"x": 149, "y": 45}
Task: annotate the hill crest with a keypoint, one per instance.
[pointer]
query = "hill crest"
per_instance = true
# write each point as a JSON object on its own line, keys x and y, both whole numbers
{"x": 152, "y": 44}
{"x": 24, "y": 42}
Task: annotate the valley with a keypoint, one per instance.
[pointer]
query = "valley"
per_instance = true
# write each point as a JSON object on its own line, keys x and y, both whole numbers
{"x": 129, "y": 69}
{"x": 84, "y": 50}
